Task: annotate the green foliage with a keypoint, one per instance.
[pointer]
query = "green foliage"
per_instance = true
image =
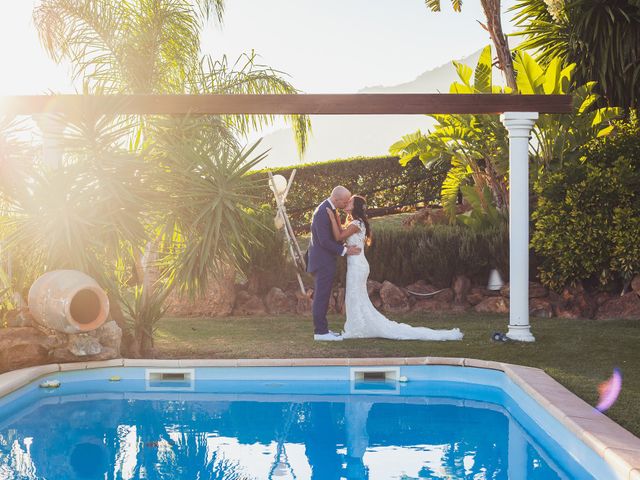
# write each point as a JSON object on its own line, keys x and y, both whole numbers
{"x": 483, "y": 214}
{"x": 383, "y": 181}
{"x": 586, "y": 220}
{"x": 145, "y": 47}
{"x": 436, "y": 253}
{"x": 474, "y": 148}
{"x": 600, "y": 37}
{"x": 203, "y": 217}
{"x": 267, "y": 263}
{"x": 434, "y": 5}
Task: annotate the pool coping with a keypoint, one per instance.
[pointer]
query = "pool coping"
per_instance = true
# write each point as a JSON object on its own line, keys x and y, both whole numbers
{"x": 617, "y": 446}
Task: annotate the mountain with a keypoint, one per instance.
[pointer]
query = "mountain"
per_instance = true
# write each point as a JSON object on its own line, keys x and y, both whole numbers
{"x": 344, "y": 136}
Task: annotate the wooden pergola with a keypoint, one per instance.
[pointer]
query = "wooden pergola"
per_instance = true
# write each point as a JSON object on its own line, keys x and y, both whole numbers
{"x": 518, "y": 113}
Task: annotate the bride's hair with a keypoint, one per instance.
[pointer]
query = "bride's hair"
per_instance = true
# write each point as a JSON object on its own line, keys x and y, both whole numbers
{"x": 359, "y": 212}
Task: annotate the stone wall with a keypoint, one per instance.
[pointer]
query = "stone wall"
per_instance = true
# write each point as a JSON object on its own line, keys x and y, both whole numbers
{"x": 23, "y": 343}
{"x": 461, "y": 296}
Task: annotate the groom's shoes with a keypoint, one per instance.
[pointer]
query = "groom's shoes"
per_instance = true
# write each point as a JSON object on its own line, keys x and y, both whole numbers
{"x": 328, "y": 337}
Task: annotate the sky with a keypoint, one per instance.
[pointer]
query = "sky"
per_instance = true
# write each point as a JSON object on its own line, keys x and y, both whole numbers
{"x": 329, "y": 46}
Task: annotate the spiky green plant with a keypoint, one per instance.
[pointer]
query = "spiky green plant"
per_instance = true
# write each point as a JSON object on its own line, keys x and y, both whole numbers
{"x": 601, "y": 37}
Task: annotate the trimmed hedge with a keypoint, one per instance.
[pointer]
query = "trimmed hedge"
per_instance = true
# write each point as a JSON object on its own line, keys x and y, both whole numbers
{"x": 382, "y": 180}
{"x": 437, "y": 254}
{"x": 402, "y": 255}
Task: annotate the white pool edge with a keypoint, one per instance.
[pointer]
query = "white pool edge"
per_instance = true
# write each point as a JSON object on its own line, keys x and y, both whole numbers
{"x": 617, "y": 446}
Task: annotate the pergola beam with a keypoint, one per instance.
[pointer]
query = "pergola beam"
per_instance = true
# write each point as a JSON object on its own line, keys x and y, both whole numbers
{"x": 311, "y": 104}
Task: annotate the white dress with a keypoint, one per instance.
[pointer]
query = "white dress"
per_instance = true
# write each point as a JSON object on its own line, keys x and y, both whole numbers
{"x": 363, "y": 320}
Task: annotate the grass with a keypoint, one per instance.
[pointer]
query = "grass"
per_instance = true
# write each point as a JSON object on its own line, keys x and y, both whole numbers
{"x": 580, "y": 354}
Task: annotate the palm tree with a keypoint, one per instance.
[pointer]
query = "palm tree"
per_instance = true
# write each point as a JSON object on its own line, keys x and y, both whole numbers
{"x": 494, "y": 27}
{"x": 602, "y": 37}
{"x": 178, "y": 190}
{"x": 153, "y": 46}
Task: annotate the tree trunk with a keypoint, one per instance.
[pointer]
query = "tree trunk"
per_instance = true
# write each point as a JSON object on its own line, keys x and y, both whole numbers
{"x": 129, "y": 347}
{"x": 144, "y": 340}
{"x": 494, "y": 26}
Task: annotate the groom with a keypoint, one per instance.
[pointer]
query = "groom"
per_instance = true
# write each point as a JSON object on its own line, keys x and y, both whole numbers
{"x": 323, "y": 251}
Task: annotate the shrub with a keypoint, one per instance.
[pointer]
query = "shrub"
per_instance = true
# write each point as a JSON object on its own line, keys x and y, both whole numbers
{"x": 436, "y": 253}
{"x": 267, "y": 263}
{"x": 586, "y": 221}
{"x": 383, "y": 181}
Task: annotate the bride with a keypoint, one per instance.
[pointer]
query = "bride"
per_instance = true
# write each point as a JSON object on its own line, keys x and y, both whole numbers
{"x": 363, "y": 320}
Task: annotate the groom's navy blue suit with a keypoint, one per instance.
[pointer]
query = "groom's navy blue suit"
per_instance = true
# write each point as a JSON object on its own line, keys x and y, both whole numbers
{"x": 323, "y": 251}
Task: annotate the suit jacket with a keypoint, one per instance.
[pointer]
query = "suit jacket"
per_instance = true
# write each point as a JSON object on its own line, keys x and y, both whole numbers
{"x": 323, "y": 249}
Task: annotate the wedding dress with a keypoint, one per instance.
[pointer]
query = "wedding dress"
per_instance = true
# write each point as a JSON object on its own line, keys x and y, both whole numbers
{"x": 363, "y": 320}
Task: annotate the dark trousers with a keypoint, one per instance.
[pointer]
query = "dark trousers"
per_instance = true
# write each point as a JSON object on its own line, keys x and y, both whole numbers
{"x": 323, "y": 283}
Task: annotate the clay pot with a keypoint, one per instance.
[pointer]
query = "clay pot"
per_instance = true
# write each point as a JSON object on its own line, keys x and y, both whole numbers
{"x": 68, "y": 301}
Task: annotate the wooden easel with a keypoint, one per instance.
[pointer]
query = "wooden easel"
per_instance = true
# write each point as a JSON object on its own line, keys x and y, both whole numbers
{"x": 294, "y": 248}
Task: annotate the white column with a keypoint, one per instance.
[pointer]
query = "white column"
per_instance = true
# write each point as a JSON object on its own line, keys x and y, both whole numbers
{"x": 519, "y": 125}
{"x": 52, "y": 149}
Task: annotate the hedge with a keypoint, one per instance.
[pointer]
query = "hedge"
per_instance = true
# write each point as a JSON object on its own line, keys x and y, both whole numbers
{"x": 586, "y": 220}
{"x": 435, "y": 253}
{"x": 382, "y": 180}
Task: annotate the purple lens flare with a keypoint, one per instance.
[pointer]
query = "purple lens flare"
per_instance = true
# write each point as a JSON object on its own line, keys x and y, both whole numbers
{"x": 609, "y": 391}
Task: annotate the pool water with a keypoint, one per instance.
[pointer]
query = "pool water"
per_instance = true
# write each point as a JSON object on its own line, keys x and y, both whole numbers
{"x": 283, "y": 429}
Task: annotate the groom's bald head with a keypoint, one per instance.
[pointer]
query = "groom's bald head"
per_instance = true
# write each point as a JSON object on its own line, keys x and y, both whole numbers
{"x": 340, "y": 196}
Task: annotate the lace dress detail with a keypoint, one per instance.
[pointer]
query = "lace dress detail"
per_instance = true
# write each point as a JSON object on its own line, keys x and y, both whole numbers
{"x": 363, "y": 320}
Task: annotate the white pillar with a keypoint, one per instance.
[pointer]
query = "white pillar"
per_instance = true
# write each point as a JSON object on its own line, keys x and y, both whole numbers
{"x": 519, "y": 125}
{"x": 52, "y": 149}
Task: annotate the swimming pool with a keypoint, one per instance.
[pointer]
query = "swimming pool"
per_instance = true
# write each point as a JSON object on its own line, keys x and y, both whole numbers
{"x": 355, "y": 419}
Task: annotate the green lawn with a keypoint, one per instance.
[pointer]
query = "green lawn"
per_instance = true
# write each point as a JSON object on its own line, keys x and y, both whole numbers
{"x": 578, "y": 353}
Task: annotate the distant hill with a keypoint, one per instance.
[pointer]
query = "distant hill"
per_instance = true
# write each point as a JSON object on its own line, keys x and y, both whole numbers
{"x": 363, "y": 135}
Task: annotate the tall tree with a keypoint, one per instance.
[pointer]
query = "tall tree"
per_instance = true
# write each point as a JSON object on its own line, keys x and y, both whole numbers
{"x": 153, "y": 46}
{"x": 494, "y": 27}
{"x": 602, "y": 37}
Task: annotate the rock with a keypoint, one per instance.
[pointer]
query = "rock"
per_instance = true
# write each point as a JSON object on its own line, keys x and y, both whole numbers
{"x": 603, "y": 297}
{"x": 278, "y": 302}
{"x": 635, "y": 284}
{"x": 431, "y": 306}
{"x": 421, "y": 287}
{"x": 109, "y": 335}
{"x": 536, "y": 290}
{"x": 461, "y": 288}
{"x": 485, "y": 292}
{"x": 493, "y": 305}
{"x": 377, "y": 301}
{"x": 218, "y": 300}
{"x": 540, "y": 307}
{"x": 26, "y": 346}
{"x": 20, "y": 318}
{"x": 248, "y": 304}
{"x": 394, "y": 300}
{"x": 373, "y": 287}
{"x": 446, "y": 295}
{"x": 22, "y": 356}
{"x": 576, "y": 303}
{"x": 83, "y": 344}
{"x": 626, "y": 307}
{"x": 63, "y": 355}
{"x": 304, "y": 302}
{"x": 475, "y": 298}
